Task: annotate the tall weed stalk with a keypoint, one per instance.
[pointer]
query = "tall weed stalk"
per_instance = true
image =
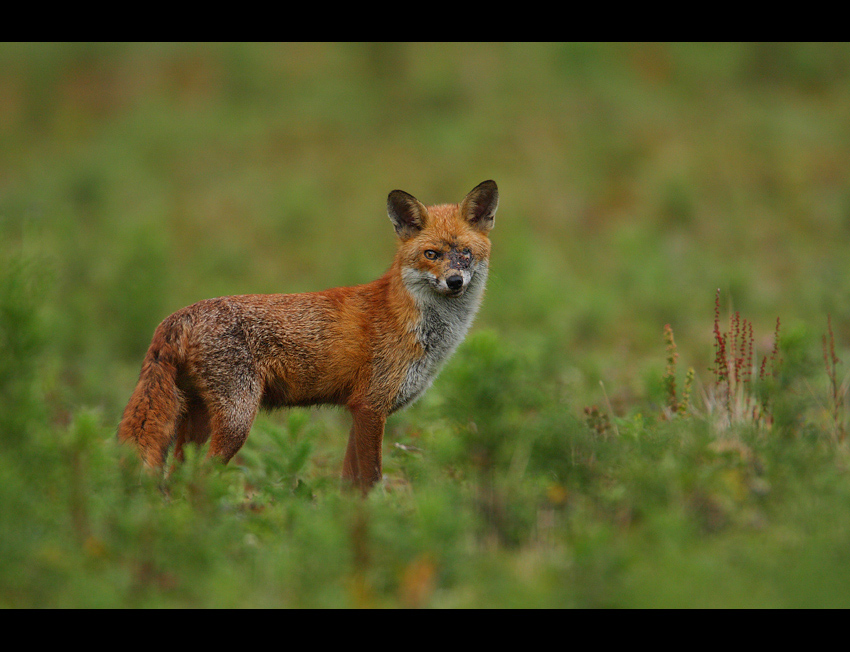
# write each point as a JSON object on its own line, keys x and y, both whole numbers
{"x": 838, "y": 390}
{"x": 674, "y": 404}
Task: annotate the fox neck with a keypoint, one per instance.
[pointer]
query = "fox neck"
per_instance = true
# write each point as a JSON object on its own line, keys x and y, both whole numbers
{"x": 443, "y": 320}
{"x": 439, "y": 324}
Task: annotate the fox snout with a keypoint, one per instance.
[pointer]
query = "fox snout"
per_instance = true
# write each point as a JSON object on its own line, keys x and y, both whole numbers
{"x": 459, "y": 272}
{"x": 454, "y": 283}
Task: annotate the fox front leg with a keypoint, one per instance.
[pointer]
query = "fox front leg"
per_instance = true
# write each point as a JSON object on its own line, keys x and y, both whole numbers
{"x": 362, "y": 465}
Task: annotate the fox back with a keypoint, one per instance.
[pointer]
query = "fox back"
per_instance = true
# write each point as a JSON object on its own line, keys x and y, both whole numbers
{"x": 373, "y": 348}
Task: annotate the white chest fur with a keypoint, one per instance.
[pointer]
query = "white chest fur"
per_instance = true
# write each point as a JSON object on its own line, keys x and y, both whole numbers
{"x": 443, "y": 323}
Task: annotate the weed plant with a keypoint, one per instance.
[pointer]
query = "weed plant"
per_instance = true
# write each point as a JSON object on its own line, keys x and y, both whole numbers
{"x": 838, "y": 389}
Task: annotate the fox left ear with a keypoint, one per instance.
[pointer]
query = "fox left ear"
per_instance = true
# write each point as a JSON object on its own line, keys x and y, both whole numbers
{"x": 479, "y": 206}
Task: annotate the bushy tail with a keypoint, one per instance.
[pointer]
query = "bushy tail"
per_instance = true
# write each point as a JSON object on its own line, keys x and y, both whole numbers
{"x": 150, "y": 418}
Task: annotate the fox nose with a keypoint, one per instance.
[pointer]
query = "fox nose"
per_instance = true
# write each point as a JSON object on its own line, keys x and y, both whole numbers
{"x": 454, "y": 282}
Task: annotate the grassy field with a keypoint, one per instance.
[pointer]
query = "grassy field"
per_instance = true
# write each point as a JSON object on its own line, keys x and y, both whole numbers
{"x": 664, "y": 208}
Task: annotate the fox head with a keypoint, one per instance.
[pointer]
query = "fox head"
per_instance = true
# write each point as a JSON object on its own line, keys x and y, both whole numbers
{"x": 444, "y": 248}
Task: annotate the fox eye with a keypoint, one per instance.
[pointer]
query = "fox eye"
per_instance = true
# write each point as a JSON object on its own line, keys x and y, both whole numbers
{"x": 430, "y": 254}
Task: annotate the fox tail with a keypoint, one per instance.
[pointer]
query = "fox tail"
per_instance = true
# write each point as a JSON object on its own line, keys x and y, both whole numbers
{"x": 151, "y": 416}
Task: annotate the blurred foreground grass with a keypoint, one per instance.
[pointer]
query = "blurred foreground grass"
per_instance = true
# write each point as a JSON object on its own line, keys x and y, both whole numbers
{"x": 635, "y": 181}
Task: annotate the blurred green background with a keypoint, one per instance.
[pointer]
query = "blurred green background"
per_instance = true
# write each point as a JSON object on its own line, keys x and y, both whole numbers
{"x": 635, "y": 180}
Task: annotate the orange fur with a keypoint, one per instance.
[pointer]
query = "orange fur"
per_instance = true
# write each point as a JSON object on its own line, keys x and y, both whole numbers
{"x": 372, "y": 348}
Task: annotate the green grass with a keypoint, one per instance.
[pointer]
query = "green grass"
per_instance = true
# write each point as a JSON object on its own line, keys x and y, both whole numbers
{"x": 546, "y": 467}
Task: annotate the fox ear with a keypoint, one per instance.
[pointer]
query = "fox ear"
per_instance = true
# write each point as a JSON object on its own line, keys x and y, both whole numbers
{"x": 479, "y": 206}
{"x": 407, "y": 213}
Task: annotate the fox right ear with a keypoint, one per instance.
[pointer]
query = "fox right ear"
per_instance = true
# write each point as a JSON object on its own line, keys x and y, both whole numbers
{"x": 407, "y": 213}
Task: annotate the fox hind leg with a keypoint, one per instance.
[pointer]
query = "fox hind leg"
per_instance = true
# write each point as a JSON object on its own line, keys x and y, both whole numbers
{"x": 193, "y": 427}
{"x": 231, "y": 417}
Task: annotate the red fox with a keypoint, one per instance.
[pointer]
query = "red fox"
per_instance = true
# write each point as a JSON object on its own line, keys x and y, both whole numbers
{"x": 373, "y": 348}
